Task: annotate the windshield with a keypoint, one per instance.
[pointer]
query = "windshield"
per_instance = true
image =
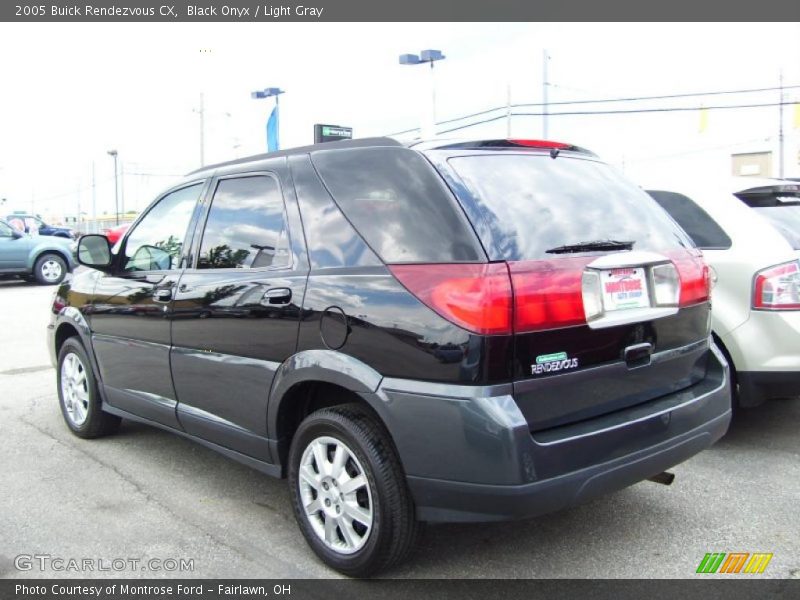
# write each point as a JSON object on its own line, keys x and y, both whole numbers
{"x": 524, "y": 206}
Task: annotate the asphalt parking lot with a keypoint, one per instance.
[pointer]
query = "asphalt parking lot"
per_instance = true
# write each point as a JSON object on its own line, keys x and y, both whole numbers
{"x": 145, "y": 493}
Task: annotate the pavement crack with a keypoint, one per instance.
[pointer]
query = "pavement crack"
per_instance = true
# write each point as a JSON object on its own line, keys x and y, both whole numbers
{"x": 140, "y": 490}
{"x": 23, "y": 370}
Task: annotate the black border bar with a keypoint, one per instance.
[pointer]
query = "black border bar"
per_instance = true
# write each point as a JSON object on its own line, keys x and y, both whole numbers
{"x": 397, "y": 10}
{"x": 734, "y": 587}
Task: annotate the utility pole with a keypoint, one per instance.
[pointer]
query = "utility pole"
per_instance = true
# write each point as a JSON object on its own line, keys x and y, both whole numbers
{"x": 122, "y": 187}
{"x": 780, "y": 127}
{"x": 94, "y": 200}
{"x": 508, "y": 111}
{"x": 114, "y": 154}
{"x": 202, "y": 130}
{"x": 78, "y": 220}
{"x": 545, "y": 84}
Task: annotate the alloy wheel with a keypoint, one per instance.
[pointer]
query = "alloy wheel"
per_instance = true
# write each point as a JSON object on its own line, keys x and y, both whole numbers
{"x": 335, "y": 494}
{"x": 74, "y": 389}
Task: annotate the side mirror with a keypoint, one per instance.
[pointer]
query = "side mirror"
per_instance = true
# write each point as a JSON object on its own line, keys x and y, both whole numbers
{"x": 16, "y": 234}
{"x": 94, "y": 251}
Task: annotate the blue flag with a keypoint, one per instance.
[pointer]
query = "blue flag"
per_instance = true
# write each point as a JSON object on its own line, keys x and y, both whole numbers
{"x": 272, "y": 131}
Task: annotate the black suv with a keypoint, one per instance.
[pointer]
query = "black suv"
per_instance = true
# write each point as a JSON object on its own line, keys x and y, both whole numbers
{"x": 442, "y": 332}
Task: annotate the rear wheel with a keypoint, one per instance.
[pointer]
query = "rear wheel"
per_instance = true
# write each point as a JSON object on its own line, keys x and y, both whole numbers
{"x": 349, "y": 492}
{"x": 50, "y": 269}
{"x": 78, "y": 394}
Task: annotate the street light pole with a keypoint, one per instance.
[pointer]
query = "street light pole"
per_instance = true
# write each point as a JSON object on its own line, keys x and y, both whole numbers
{"x": 426, "y": 56}
{"x": 113, "y": 153}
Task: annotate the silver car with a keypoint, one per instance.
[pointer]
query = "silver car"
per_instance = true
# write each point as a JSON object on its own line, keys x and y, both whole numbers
{"x": 44, "y": 259}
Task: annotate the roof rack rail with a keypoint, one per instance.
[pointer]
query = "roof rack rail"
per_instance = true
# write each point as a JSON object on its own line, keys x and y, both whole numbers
{"x": 344, "y": 144}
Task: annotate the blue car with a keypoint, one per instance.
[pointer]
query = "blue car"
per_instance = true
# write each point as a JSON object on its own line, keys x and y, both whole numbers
{"x": 33, "y": 224}
{"x": 45, "y": 259}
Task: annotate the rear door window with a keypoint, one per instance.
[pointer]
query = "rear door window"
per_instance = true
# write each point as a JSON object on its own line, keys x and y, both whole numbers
{"x": 246, "y": 226}
{"x": 399, "y": 204}
{"x": 704, "y": 231}
{"x": 526, "y": 205}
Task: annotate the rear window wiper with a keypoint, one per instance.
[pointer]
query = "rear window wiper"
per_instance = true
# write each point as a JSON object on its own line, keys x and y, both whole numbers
{"x": 593, "y": 245}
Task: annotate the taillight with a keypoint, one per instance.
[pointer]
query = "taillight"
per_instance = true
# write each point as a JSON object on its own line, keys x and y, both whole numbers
{"x": 58, "y": 304}
{"x": 695, "y": 277}
{"x": 527, "y": 296}
{"x": 778, "y": 288}
{"x": 475, "y": 297}
{"x": 548, "y": 293}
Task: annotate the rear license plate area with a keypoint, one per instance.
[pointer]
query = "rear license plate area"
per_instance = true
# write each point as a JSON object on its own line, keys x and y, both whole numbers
{"x": 624, "y": 288}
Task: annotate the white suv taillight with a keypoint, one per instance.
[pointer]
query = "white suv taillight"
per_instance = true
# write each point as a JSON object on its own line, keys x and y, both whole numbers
{"x": 778, "y": 288}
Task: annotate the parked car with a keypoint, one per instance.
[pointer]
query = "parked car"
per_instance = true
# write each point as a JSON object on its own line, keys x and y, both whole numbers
{"x": 43, "y": 259}
{"x": 115, "y": 233}
{"x": 750, "y": 235}
{"x": 34, "y": 224}
{"x": 306, "y": 307}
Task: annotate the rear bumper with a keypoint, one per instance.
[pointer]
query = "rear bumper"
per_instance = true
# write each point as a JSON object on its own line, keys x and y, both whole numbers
{"x": 493, "y": 468}
{"x": 452, "y": 501}
{"x": 765, "y": 350}
{"x": 769, "y": 341}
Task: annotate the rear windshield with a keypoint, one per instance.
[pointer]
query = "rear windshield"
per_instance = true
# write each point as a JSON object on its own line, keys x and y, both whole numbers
{"x": 782, "y": 210}
{"x": 399, "y": 205}
{"x": 525, "y": 205}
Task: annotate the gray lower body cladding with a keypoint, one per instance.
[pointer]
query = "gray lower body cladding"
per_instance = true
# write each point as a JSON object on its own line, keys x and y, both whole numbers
{"x": 469, "y": 453}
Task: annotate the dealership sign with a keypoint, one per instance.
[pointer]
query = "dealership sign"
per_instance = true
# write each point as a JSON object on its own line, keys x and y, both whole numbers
{"x": 331, "y": 133}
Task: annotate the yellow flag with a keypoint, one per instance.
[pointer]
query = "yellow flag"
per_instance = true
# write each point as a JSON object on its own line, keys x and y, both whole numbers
{"x": 797, "y": 116}
{"x": 703, "y": 119}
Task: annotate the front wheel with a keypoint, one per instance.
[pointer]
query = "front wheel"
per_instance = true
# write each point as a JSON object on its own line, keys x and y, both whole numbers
{"x": 349, "y": 492}
{"x": 78, "y": 394}
{"x": 50, "y": 269}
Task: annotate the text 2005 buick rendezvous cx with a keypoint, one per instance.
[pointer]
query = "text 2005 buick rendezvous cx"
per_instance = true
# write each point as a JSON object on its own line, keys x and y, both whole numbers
{"x": 452, "y": 331}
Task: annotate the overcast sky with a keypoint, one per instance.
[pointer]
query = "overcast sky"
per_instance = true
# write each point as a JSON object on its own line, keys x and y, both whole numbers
{"x": 71, "y": 92}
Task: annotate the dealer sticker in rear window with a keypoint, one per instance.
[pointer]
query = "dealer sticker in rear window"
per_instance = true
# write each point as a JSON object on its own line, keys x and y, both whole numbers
{"x": 624, "y": 288}
{"x": 551, "y": 363}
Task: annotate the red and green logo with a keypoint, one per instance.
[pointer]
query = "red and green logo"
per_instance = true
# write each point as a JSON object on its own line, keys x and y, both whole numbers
{"x": 734, "y": 562}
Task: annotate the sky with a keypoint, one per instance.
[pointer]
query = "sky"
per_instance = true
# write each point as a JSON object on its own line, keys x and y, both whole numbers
{"x": 71, "y": 92}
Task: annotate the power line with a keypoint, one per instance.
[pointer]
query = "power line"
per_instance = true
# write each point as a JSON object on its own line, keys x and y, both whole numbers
{"x": 82, "y": 187}
{"x": 617, "y": 112}
{"x": 601, "y": 101}
{"x": 666, "y": 97}
{"x": 650, "y": 110}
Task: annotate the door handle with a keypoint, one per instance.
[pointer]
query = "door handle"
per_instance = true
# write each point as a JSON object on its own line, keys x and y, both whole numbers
{"x": 162, "y": 295}
{"x": 277, "y": 296}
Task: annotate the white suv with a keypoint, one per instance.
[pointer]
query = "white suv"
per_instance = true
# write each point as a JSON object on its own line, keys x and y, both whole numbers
{"x": 749, "y": 231}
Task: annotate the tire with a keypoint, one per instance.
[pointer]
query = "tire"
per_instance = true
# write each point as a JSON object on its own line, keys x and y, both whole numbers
{"x": 385, "y": 529}
{"x": 78, "y": 395}
{"x": 50, "y": 269}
